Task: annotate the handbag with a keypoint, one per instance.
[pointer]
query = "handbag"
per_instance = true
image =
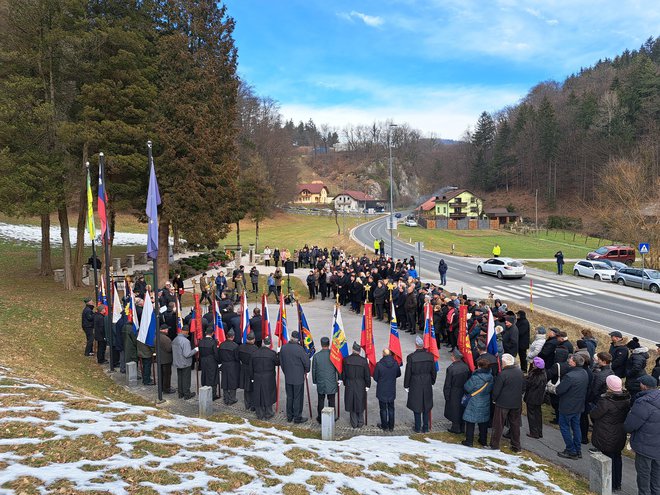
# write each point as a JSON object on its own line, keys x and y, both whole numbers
{"x": 550, "y": 387}
{"x": 466, "y": 397}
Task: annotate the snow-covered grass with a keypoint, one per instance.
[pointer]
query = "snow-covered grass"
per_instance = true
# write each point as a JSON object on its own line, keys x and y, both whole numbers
{"x": 61, "y": 442}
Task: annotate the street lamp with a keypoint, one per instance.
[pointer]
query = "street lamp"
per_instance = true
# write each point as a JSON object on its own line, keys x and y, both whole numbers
{"x": 392, "y": 126}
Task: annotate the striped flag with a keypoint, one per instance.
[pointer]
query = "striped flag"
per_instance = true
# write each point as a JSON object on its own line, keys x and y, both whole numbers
{"x": 116, "y": 305}
{"x": 281, "y": 329}
{"x": 339, "y": 346}
{"x": 265, "y": 320}
{"x": 147, "y": 332}
{"x": 91, "y": 228}
{"x": 102, "y": 202}
{"x": 395, "y": 343}
{"x": 219, "y": 327}
{"x": 430, "y": 344}
{"x": 245, "y": 317}
{"x": 153, "y": 200}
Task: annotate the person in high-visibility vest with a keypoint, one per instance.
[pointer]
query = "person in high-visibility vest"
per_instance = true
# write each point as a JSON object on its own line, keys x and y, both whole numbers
{"x": 376, "y": 245}
{"x": 497, "y": 251}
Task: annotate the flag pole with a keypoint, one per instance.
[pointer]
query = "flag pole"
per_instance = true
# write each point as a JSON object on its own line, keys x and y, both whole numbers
{"x": 106, "y": 242}
{"x": 96, "y": 277}
{"x": 300, "y": 334}
{"x": 338, "y": 386}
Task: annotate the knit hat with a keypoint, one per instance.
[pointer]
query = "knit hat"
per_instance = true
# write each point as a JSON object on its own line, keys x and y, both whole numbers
{"x": 457, "y": 354}
{"x": 614, "y": 383}
{"x": 540, "y": 330}
{"x": 508, "y": 359}
{"x": 648, "y": 381}
{"x": 538, "y": 363}
{"x": 419, "y": 342}
{"x": 356, "y": 347}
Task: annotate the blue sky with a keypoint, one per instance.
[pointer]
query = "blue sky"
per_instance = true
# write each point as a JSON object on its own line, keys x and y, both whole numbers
{"x": 433, "y": 64}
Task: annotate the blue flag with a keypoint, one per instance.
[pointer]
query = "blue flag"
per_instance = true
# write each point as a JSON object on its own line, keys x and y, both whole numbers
{"x": 153, "y": 200}
{"x": 305, "y": 333}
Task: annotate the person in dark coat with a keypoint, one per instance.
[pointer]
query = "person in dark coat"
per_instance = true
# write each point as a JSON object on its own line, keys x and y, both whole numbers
{"x": 324, "y": 376}
{"x": 602, "y": 370}
{"x": 166, "y": 358}
{"x": 493, "y": 361}
{"x": 230, "y": 367}
{"x": 209, "y": 361}
{"x": 170, "y": 319}
{"x": 130, "y": 343}
{"x": 608, "y": 417}
{"x": 311, "y": 284}
{"x": 418, "y": 382}
{"x": 255, "y": 326}
{"x": 535, "y": 383}
{"x": 99, "y": 333}
{"x": 635, "y": 369}
{"x": 385, "y": 374}
{"x": 643, "y": 424}
{"x": 380, "y": 293}
{"x": 572, "y": 392}
{"x": 508, "y": 389}
{"x": 619, "y": 353}
{"x": 477, "y": 410}
{"x": 656, "y": 370}
{"x": 457, "y": 374}
{"x": 511, "y": 336}
{"x": 523, "y": 338}
{"x": 547, "y": 352}
{"x": 245, "y": 353}
{"x": 262, "y": 372}
{"x": 357, "y": 380}
{"x": 88, "y": 326}
{"x": 554, "y": 375}
{"x": 559, "y": 256}
{"x": 295, "y": 366}
{"x": 410, "y": 306}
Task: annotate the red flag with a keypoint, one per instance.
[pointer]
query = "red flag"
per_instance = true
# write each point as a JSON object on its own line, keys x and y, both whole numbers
{"x": 367, "y": 337}
{"x": 265, "y": 319}
{"x": 395, "y": 343}
{"x": 281, "y": 329}
{"x": 219, "y": 327}
{"x": 198, "y": 330}
{"x": 430, "y": 344}
{"x": 102, "y": 203}
{"x": 464, "y": 344}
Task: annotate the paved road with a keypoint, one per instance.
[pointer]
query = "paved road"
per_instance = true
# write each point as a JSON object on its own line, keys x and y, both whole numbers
{"x": 599, "y": 303}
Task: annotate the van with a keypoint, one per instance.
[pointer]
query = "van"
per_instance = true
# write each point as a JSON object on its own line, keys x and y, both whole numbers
{"x": 623, "y": 254}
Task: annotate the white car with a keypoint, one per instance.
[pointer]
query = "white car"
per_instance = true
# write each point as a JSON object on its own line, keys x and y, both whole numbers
{"x": 410, "y": 223}
{"x": 594, "y": 269}
{"x": 502, "y": 268}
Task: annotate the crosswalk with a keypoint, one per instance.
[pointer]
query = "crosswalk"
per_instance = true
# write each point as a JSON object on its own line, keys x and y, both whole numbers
{"x": 539, "y": 290}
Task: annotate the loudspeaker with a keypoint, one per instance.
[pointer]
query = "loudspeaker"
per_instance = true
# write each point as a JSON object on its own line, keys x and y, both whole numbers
{"x": 288, "y": 267}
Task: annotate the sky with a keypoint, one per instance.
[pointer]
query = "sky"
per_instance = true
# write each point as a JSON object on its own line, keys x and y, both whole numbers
{"x": 434, "y": 64}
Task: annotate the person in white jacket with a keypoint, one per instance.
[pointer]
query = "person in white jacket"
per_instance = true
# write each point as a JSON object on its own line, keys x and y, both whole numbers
{"x": 537, "y": 344}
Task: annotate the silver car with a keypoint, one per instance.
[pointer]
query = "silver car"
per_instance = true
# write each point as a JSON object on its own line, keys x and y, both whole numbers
{"x": 636, "y": 277}
{"x": 502, "y": 268}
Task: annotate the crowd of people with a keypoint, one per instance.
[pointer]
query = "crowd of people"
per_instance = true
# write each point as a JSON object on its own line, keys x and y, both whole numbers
{"x": 591, "y": 387}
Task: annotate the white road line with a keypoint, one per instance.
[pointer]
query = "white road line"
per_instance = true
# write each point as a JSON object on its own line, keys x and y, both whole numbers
{"x": 570, "y": 292}
{"x": 496, "y": 292}
{"x": 523, "y": 291}
{"x": 577, "y": 290}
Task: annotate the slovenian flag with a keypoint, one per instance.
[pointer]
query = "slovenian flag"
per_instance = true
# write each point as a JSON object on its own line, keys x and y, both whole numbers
{"x": 281, "y": 329}
{"x": 131, "y": 313}
{"x": 116, "y": 305}
{"x": 265, "y": 319}
{"x": 102, "y": 297}
{"x": 219, "y": 327}
{"x": 245, "y": 317}
{"x": 430, "y": 344}
{"x": 147, "y": 332}
{"x": 339, "y": 346}
{"x": 395, "y": 343}
{"x": 102, "y": 201}
{"x": 305, "y": 333}
{"x": 491, "y": 336}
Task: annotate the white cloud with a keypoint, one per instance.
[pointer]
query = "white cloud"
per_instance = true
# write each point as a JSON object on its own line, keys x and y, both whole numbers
{"x": 369, "y": 20}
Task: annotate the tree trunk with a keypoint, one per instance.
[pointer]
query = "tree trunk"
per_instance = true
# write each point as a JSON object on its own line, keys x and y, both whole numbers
{"x": 163, "y": 250}
{"x": 337, "y": 221}
{"x": 66, "y": 247}
{"x": 80, "y": 227}
{"x": 177, "y": 242}
{"x": 46, "y": 268}
{"x": 238, "y": 233}
{"x": 256, "y": 237}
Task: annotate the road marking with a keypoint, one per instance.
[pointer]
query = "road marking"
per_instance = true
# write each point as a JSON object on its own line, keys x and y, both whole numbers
{"x": 580, "y": 291}
{"x": 620, "y": 312}
{"x": 504, "y": 292}
{"x": 573, "y": 292}
{"x": 524, "y": 291}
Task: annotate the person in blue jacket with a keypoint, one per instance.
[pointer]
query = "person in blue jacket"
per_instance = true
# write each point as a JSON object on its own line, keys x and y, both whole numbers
{"x": 477, "y": 410}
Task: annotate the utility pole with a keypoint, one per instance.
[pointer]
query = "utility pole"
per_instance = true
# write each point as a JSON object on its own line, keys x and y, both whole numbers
{"x": 392, "y": 126}
{"x": 536, "y": 211}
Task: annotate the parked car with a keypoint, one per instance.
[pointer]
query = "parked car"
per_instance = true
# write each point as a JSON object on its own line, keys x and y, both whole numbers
{"x": 410, "y": 223}
{"x": 594, "y": 269}
{"x": 397, "y": 215}
{"x": 624, "y": 254}
{"x": 636, "y": 277}
{"x": 614, "y": 265}
{"x": 502, "y": 268}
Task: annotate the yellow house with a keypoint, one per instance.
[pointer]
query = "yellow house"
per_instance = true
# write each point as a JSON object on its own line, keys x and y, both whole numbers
{"x": 458, "y": 204}
{"x": 313, "y": 193}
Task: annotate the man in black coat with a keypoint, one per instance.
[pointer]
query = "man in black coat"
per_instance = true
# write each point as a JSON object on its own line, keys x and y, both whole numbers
{"x": 457, "y": 374}
{"x": 548, "y": 350}
{"x": 493, "y": 362}
{"x": 572, "y": 393}
{"x": 507, "y": 395}
{"x": 523, "y": 338}
{"x": 510, "y": 336}
{"x": 255, "y": 326}
{"x": 263, "y": 362}
{"x": 245, "y": 353}
{"x": 418, "y": 382}
{"x": 208, "y": 361}
{"x": 379, "y": 299}
{"x": 99, "y": 333}
{"x": 598, "y": 385}
{"x": 169, "y": 318}
{"x": 230, "y": 367}
{"x": 357, "y": 380}
{"x": 619, "y": 353}
{"x": 385, "y": 374}
{"x": 295, "y": 366}
{"x": 88, "y": 326}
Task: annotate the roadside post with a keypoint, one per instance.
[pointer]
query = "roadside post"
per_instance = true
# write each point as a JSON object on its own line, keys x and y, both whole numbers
{"x": 644, "y": 248}
{"x": 420, "y": 248}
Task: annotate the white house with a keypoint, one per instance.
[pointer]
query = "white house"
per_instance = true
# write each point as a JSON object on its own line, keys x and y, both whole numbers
{"x": 353, "y": 201}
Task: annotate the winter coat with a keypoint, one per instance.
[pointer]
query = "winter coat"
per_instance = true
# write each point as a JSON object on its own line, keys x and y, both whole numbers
{"x": 508, "y": 388}
{"x": 656, "y": 371}
{"x": 182, "y": 353}
{"x": 478, "y": 407}
{"x": 510, "y": 339}
{"x": 379, "y": 295}
{"x": 419, "y": 379}
{"x": 385, "y": 374}
{"x": 635, "y": 368}
{"x": 458, "y": 374}
{"x": 591, "y": 344}
{"x": 165, "y": 348}
{"x": 130, "y": 343}
{"x": 295, "y": 363}
{"x": 230, "y": 366}
{"x": 572, "y": 391}
{"x": 145, "y": 351}
{"x": 324, "y": 373}
{"x": 536, "y": 346}
{"x": 356, "y": 377}
{"x": 262, "y": 371}
{"x": 619, "y": 353}
{"x": 608, "y": 417}
{"x": 88, "y": 317}
{"x": 245, "y": 353}
{"x": 548, "y": 352}
{"x": 442, "y": 267}
{"x": 255, "y": 327}
{"x": 99, "y": 327}
{"x": 643, "y": 424}
{"x": 523, "y": 333}
{"x": 254, "y": 276}
{"x": 208, "y": 362}
{"x": 535, "y": 383}
{"x": 598, "y": 386}
{"x": 493, "y": 362}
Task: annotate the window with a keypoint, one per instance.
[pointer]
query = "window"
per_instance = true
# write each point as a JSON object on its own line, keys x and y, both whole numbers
{"x": 585, "y": 263}
{"x": 601, "y": 250}
{"x": 613, "y": 254}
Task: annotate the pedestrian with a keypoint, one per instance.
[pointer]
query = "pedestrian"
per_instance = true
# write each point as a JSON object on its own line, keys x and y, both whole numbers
{"x": 656, "y": 370}
{"x": 477, "y": 410}
{"x": 324, "y": 376}
{"x": 357, "y": 380}
{"x": 559, "y": 256}
{"x": 255, "y": 326}
{"x": 418, "y": 382}
{"x": 385, "y": 374}
{"x": 272, "y": 288}
{"x": 254, "y": 279}
{"x": 535, "y": 383}
{"x": 295, "y": 366}
{"x": 619, "y": 353}
{"x": 442, "y": 270}
{"x": 507, "y": 395}
{"x": 88, "y": 325}
{"x": 245, "y": 354}
{"x": 266, "y": 256}
{"x": 497, "y": 251}
{"x": 601, "y": 371}
{"x": 536, "y": 344}
{"x": 182, "y": 356}
{"x": 311, "y": 284}
{"x": 209, "y": 361}
{"x": 547, "y": 352}
{"x": 278, "y": 280}
{"x": 458, "y": 373}
{"x": 99, "y": 333}
{"x": 590, "y": 341}
{"x": 511, "y": 336}
{"x": 165, "y": 349}
{"x": 130, "y": 342}
{"x": 380, "y": 293}
{"x": 230, "y": 368}
{"x": 608, "y": 417}
{"x": 572, "y": 392}
{"x": 635, "y": 369}
{"x": 204, "y": 287}
{"x": 262, "y": 373}
{"x": 276, "y": 256}
{"x": 643, "y": 424}
{"x": 376, "y": 246}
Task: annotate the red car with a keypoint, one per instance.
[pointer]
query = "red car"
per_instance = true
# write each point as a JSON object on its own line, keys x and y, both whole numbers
{"x": 624, "y": 254}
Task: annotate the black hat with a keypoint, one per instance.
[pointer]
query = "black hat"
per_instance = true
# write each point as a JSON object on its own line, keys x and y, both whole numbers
{"x": 356, "y": 347}
{"x": 164, "y": 327}
{"x": 87, "y": 300}
{"x": 648, "y": 381}
{"x": 250, "y": 336}
{"x": 325, "y": 341}
{"x": 616, "y": 333}
{"x": 295, "y": 335}
{"x": 267, "y": 341}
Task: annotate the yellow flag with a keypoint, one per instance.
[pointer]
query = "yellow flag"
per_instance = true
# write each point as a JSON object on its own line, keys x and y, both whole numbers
{"x": 91, "y": 229}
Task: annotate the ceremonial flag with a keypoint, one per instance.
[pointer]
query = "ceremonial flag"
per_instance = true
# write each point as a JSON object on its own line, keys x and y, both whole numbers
{"x": 245, "y": 317}
{"x": 265, "y": 320}
{"x": 179, "y": 317}
{"x": 116, "y": 305}
{"x": 491, "y": 337}
{"x": 219, "y": 327}
{"x": 91, "y": 228}
{"x": 196, "y": 321}
{"x": 367, "y": 336}
{"x": 305, "y": 334}
{"x": 102, "y": 203}
{"x": 339, "y": 346}
{"x": 131, "y": 313}
{"x": 464, "y": 344}
{"x": 281, "y": 329}
{"x": 147, "y": 332}
{"x": 395, "y": 343}
{"x": 430, "y": 344}
{"x": 153, "y": 200}
{"x": 102, "y": 297}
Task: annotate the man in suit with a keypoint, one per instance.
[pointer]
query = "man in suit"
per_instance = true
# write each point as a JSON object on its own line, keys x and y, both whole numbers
{"x": 357, "y": 380}
{"x": 262, "y": 374}
{"x": 418, "y": 381}
{"x": 230, "y": 367}
{"x": 245, "y": 353}
{"x": 295, "y": 366}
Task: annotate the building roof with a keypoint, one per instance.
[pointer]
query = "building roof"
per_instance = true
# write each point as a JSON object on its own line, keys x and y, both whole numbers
{"x": 427, "y": 205}
{"x": 449, "y": 195}
{"x": 357, "y": 195}
{"x": 499, "y": 212}
{"x": 313, "y": 187}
